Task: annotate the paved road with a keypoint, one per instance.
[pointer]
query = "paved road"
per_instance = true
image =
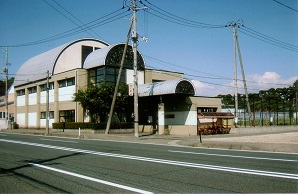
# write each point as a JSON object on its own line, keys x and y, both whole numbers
{"x": 43, "y": 164}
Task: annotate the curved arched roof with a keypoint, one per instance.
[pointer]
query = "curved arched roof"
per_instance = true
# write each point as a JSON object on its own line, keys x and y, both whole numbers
{"x": 112, "y": 56}
{"x": 35, "y": 68}
{"x": 177, "y": 86}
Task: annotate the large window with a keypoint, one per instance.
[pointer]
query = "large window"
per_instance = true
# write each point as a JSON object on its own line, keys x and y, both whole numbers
{"x": 21, "y": 92}
{"x": 44, "y": 86}
{"x": 32, "y": 90}
{"x": 86, "y": 50}
{"x": 67, "y": 116}
{"x": 43, "y": 115}
{"x": 105, "y": 74}
{"x": 66, "y": 82}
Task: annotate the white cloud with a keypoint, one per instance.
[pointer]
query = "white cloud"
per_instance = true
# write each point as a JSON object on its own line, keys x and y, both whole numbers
{"x": 254, "y": 82}
{"x": 268, "y": 80}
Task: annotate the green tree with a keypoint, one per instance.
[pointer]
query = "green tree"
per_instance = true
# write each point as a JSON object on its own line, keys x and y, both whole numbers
{"x": 96, "y": 100}
{"x": 3, "y": 83}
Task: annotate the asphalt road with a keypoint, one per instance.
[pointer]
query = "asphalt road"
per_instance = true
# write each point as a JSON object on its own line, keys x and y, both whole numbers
{"x": 41, "y": 164}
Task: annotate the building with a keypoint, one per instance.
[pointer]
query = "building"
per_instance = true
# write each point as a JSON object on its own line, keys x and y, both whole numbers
{"x": 167, "y": 101}
{"x": 5, "y": 123}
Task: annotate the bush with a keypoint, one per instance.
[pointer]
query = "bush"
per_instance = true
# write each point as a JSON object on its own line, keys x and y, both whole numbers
{"x": 93, "y": 126}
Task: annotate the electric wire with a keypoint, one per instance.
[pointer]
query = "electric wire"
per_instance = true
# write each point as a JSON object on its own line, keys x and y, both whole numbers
{"x": 177, "y": 19}
{"x": 252, "y": 33}
{"x": 212, "y": 76}
{"x": 76, "y": 23}
{"x": 286, "y": 5}
{"x": 165, "y": 15}
{"x": 90, "y": 25}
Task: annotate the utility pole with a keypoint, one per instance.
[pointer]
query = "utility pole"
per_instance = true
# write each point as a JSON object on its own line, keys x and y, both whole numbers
{"x": 236, "y": 44}
{"x": 118, "y": 79}
{"x": 6, "y": 88}
{"x": 134, "y": 38}
{"x": 296, "y": 103}
{"x": 244, "y": 79}
{"x": 47, "y": 105}
{"x": 235, "y": 78}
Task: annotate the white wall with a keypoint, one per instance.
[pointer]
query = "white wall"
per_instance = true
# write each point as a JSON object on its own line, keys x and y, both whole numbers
{"x": 32, "y": 99}
{"x": 43, "y": 96}
{"x": 21, "y": 100}
{"x": 32, "y": 119}
{"x": 66, "y": 93}
{"x": 182, "y": 118}
{"x": 43, "y": 123}
{"x": 130, "y": 78}
{"x": 21, "y": 119}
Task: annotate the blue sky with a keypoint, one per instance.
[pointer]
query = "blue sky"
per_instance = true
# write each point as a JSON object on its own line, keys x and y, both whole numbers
{"x": 203, "y": 54}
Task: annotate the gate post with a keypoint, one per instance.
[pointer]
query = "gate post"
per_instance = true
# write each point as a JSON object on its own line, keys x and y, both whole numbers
{"x": 161, "y": 119}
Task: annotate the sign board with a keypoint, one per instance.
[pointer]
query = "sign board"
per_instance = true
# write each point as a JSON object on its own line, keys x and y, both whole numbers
{"x": 130, "y": 89}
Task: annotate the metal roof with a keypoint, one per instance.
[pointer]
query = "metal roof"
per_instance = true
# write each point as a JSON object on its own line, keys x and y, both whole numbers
{"x": 111, "y": 56}
{"x": 97, "y": 57}
{"x": 36, "y": 68}
{"x": 163, "y": 88}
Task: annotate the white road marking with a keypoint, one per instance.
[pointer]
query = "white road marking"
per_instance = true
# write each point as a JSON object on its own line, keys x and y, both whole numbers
{"x": 162, "y": 161}
{"x": 92, "y": 179}
{"x": 232, "y": 156}
{"x": 179, "y": 146}
{"x": 55, "y": 140}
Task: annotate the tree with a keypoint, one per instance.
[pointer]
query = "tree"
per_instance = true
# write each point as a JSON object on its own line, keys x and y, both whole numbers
{"x": 3, "y": 83}
{"x": 96, "y": 100}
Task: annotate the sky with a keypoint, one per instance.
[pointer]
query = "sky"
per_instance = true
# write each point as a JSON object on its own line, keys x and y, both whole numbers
{"x": 190, "y": 36}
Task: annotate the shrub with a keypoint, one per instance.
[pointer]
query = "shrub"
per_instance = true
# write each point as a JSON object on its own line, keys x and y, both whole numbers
{"x": 93, "y": 126}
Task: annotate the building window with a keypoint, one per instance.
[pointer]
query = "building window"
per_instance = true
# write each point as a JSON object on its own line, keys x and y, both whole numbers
{"x": 86, "y": 50}
{"x": 67, "y": 116}
{"x": 44, "y": 86}
{"x": 32, "y": 90}
{"x": 43, "y": 115}
{"x": 66, "y": 82}
{"x": 105, "y": 75}
{"x": 71, "y": 81}
{"x": 21, "y": 92}
{"x": 0, "y": 114}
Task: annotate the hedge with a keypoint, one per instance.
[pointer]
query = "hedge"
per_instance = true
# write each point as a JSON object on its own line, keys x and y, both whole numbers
{"x": 93, "y": 126}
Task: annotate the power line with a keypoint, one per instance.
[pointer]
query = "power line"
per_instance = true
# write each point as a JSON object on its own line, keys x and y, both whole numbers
{"x": 165, "y": 15}
{"x": 212, "y": 76}
{"x": 285, "y": 5}
{"x": 267, "y": 39}
{"x": 77, "y": 20}
{"x": 90, "y": 25}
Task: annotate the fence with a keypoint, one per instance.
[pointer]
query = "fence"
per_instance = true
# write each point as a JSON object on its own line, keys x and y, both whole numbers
{"x": 267, "y": 119}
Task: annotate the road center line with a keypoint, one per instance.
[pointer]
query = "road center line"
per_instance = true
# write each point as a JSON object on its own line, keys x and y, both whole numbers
{"x": 162, "y": 161}
{"x": 92, "y": 179}
{"x": 55, "y": 140}
{"x": 232, "y": 156}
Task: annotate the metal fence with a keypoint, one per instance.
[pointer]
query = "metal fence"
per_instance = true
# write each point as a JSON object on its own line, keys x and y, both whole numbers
{"x": 267, "y": 118}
